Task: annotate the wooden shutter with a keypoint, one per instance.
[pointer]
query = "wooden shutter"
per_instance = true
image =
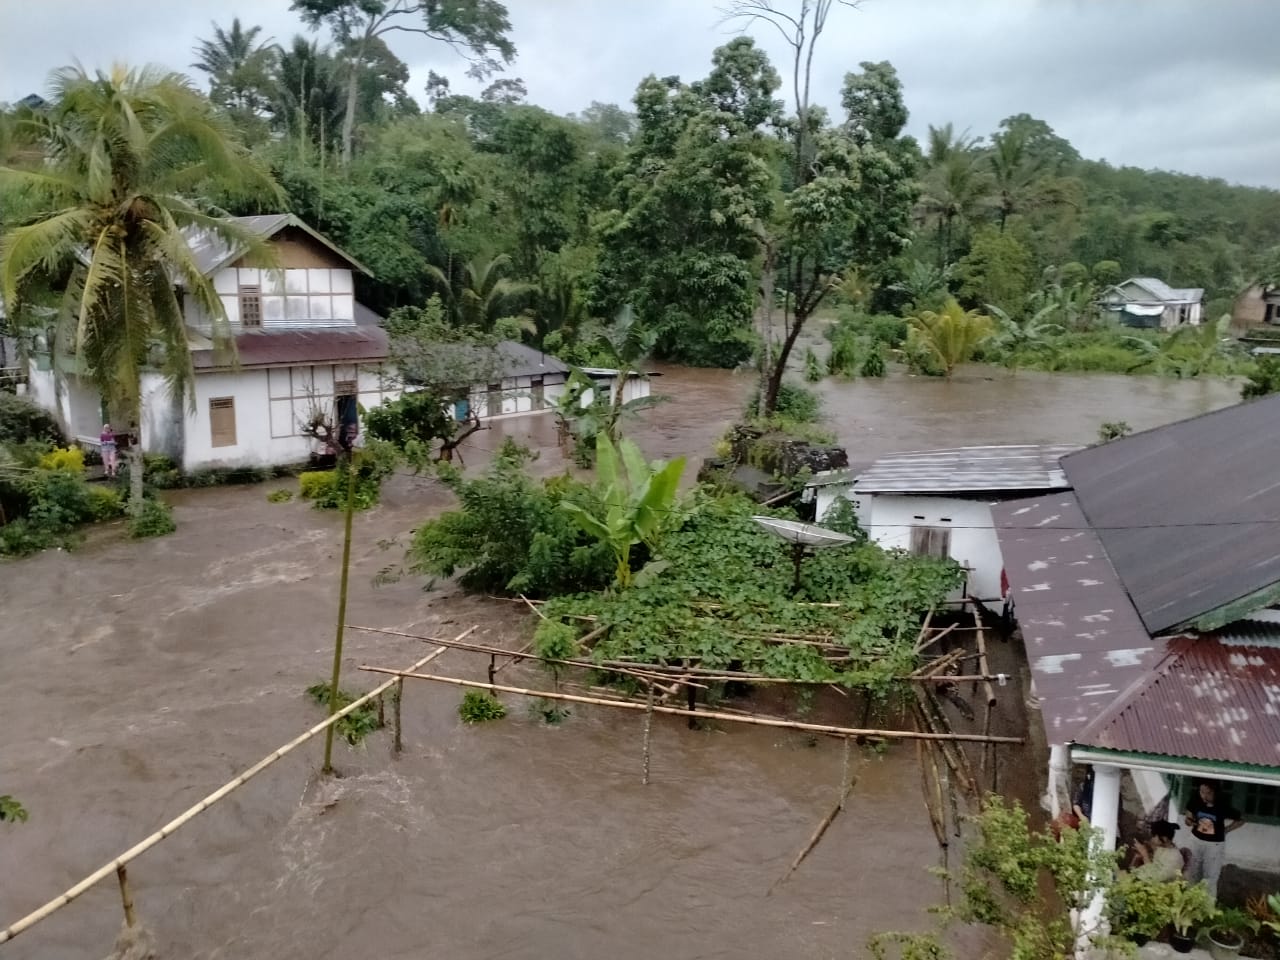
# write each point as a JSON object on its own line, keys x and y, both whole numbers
{"x": 250, "y": 306}
{"x": 539, "y": 393}
{"x": 222, "y": 421}
{"x": 493, "y": 402}
{"x": 931, "y": 541}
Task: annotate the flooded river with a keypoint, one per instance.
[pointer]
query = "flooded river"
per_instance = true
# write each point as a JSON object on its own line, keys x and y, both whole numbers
{"x": 136, "y": 677}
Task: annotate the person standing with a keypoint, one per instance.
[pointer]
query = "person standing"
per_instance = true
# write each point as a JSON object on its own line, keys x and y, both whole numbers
{"x": 107, "y": 439}
{"x": 1210, "y": 822}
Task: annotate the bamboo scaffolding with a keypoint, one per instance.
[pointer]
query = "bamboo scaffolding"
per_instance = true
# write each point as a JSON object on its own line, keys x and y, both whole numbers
{"x": 116, "y": 865}
{"x": 754, "y": 719}
{"x": 920, "y": 648}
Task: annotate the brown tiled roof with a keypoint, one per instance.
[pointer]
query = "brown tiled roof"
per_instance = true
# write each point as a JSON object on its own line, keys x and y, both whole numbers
{"x": 286, "y": 347}
{"x": 1084, "y": 640}
{"x": 1204, "y": 700}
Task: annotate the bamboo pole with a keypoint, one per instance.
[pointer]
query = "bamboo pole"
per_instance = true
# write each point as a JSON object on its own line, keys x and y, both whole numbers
{"x": 342, "y": 609}
{"x": 398, "y": 743}
{"x": 126, "y": 898}
{"x": 846, "y": 787}
{"x": 701, "y": 714}
{"x": 31, "y": 919}
{"x": 983, "y": 668}
{"x": 648, "y": 732}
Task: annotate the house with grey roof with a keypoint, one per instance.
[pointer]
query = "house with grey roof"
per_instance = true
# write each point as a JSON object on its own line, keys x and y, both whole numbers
{"x": 1149, "y": 302}
{"x": 938, "y": 503}
{"x": 1146, "y": 595}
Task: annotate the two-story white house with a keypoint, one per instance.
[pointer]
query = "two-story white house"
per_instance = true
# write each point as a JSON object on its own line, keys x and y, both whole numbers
{"x": 303, "y": 343}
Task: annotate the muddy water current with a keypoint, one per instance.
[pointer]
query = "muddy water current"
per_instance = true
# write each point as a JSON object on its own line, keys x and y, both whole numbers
{"x": 137, "y": 677}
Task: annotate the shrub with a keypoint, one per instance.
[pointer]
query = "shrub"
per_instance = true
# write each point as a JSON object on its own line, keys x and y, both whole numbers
{"x": 873, "y": 364}
{"x": 18, "y": 538}
{"x": 313, "y": 484}
{"x": 67, "y": 459}
{"x": 155, "y": 519}
{"x": 510, "y": 534}
{"x": 1113, "y": 430}
{"x": 795, "y": 403}
{"x": 555, "y": 640}
{"x": 1264, "y": 379}
{"x": 357, "y": 724}
{"x": 107, "y": 502}
{"x": 60, "y": 501}
{"x": 280, "y": 496}
{"x": 843, "y": 359}
{"x": 21, "y": 421}
{"x": 479, "y": 707}
{"x": 813, "y": 371}
{"x": 373, "y": 464}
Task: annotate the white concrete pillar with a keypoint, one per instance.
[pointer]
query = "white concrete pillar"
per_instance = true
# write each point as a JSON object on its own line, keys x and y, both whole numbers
{"x": 1106, "y": 820}
{"x": 1057, "y": 799}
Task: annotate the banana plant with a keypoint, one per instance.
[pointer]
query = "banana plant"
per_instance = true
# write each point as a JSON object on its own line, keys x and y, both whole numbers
{"x": 634, "y": 500}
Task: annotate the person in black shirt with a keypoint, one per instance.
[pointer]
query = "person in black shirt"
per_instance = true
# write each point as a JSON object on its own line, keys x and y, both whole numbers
{"x": 1210, "y": 822}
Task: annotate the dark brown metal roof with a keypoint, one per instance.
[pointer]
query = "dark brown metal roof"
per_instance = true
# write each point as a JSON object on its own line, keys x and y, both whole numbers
{"x": 1085, "y": 643}
{"x": 288, "y": 347}
{"x": 1188, "y": 512}
{"x": 1205, "y": 700}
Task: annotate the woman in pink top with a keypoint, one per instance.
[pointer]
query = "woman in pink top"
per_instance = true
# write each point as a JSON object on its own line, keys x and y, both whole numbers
{"x": 108, "y": 441}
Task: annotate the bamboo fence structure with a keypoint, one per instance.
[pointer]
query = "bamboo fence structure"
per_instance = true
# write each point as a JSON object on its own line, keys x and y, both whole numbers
{"x": 117, "y": 866}
{"x": 755, "y": 719}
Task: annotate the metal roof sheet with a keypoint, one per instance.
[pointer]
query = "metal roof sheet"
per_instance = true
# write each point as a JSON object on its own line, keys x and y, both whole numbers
{"x": 1204, "y": 700}
{"x": 211, "y": 252}
{"x": 286, "y": 347}
{"x": 1160, "y": 291}
{"x": 1084, "y": 641}
{"x": 1023, "y": 467}
{"x": 1188, "y": 513}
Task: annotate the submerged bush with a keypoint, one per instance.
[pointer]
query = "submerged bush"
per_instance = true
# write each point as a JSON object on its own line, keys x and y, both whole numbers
{"x": 510, "y": 535}
{"x": 327, "y": 489}
{"x": 795, "y": 403}
{"x": 479, "y": 707}
{"x": 155, "y": 519}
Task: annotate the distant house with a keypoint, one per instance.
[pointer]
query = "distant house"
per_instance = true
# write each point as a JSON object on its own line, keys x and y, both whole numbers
{"x": 1257, "y": 305}
{"x": 527, "y": 381}
{"x": 303, "y": 345}
{"x": 1148, "y": 302}
{"x": 1146, "y": 596}
{"x": 938, "y": 502}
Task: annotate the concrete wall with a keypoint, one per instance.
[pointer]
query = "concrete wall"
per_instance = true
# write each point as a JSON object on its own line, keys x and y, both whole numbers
{"x": 973, "y": 537}
{"x": 271, "y": 407}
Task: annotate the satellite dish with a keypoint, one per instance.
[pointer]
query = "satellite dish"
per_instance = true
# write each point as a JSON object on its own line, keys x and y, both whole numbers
{"x": 803, "y": 534}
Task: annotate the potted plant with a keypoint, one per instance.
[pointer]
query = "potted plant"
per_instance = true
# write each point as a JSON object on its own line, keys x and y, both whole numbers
{"x": 1140, "y": 908}
{"x": 1227, "y": 929}
{"x": 1190, "y": 904}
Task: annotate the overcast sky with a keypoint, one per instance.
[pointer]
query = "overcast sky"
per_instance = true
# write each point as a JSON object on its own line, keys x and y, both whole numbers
{"x": 1189, "y": 85}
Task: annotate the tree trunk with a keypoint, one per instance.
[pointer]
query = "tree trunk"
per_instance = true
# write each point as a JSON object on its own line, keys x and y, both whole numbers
{"x": 766, "y": 295}
{"x": 780, "y": 363}
{"x": 135, "y": 476}
{"x": 349, "y": 116}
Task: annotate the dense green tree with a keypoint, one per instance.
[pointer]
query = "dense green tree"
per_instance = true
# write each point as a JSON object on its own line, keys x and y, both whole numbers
{"x": 997, "y": 269}
{"x": 103, "y": 217}
{"x": 306, "y": 103}
{"x": 608, "y": 122}
{"x": 475, "y": 29}
{"x": 680, "y": 243}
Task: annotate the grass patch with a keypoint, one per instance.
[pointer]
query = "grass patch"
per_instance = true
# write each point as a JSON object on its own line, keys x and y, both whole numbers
{"x": 357, "y": 724}
{"x": 480, "y": 707}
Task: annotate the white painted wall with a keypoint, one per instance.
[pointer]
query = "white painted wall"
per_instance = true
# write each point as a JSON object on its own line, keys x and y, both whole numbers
{"x": 270, "y": 407}
{"x": 973, "y": 536}
{"x": 826, "y": 495}
{"x": 292, "y": 298}
{"x": 517, "y": 396}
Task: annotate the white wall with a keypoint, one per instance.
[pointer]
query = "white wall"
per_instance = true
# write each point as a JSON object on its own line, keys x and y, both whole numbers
{"x": 271, "y": 407}
{"x": 42, "y": 390}
{"x": 296, "y": 297}
{"x": 517, "y": 396}
{"x": 973, "y": 537}
{"x": 827, "y": 494}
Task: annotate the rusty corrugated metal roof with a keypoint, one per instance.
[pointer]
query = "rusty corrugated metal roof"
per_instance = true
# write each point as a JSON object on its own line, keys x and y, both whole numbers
{"x": 1204, "y": 700}
{"x": 1026, "y": 467}
{"x": 1084, "y": 640}
{"x": 1189, "y": 513}
{"x": 287, "y": 347}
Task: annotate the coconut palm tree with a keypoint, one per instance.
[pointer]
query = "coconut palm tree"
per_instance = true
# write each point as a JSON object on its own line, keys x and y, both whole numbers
{"x": 481, "y": 295}
{"x": 949, "y": 335}
{"x": 956, "y": 188}
{"x": 105, "y": 216}
{"x": 239, "y": 67}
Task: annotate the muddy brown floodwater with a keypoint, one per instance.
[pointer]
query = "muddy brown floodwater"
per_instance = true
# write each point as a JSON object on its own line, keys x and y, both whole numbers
{"x": 137, "y": 677}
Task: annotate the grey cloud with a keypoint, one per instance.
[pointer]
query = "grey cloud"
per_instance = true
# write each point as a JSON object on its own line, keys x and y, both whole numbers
{"x": 1173, "y": 84}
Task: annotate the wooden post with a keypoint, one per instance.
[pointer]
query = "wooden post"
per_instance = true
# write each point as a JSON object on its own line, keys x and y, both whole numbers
{"x": 398, "y": 694}
{"x": 492, "y": 666}
{"x": 382, "y": 712}
{"x": 342, "y": 611}
{"x": 691, "y": 698}
{"x": 126, "y": 898}
{"x": 648, "y": 732}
